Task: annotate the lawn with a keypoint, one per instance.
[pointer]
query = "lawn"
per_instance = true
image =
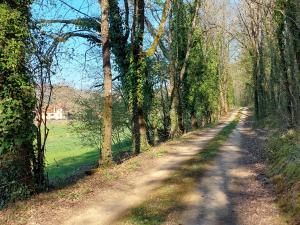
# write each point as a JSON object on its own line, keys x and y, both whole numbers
{"x": 66, "y": 155}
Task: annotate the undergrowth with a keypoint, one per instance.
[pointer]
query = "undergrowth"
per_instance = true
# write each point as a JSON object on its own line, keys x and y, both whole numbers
{"x": 282, "y": 151}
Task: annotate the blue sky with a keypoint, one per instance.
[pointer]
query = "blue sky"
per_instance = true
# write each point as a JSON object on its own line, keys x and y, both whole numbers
{"x": 72, "y": 70}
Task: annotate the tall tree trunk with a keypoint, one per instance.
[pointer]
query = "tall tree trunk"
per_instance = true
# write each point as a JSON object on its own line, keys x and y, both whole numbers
{"x": 175, "y": 131}
{"x": 179, "y": 72}
{"x": 139, "y": 126}
{"x": 255, "y": 82}
{"x": 106, "y": 158}
{"x": 261, "y": 79}
{"x": 174, "y": 117}
{"x": 288, "y": 89}
{"x": 166, "y": 116}
{"x": 145, "y": 146}
{"x": 294, "y": 50}
{"x": 194, "y": 122}
{"x": 135, "y": 125}
{"x": 17, "y": 103}
{"x": 180, "y": 111}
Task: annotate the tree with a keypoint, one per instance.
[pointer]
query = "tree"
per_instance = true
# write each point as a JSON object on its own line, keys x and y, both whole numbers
{"x": 270, "y": 34}
{"x": 138, "y": 72}
{"x": 42, "y": 57}
{"x": 181, "y": 38}
{"x": 17, "y": 103}
{"x": 107, "y": 107}
{"x": 286, "y": 28}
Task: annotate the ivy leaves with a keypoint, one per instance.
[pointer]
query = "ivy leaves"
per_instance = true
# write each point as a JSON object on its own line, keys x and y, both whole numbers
{"x": 17, "y": 102}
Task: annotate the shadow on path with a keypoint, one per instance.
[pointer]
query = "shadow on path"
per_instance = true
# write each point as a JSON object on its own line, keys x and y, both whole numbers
{"x": 173, "y": 195}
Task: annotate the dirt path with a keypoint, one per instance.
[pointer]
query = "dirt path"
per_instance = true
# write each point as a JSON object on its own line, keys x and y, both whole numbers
{"x": 234, "y": 190}
{"x": 228, "y": 193}
{"x": 107, "y": 206}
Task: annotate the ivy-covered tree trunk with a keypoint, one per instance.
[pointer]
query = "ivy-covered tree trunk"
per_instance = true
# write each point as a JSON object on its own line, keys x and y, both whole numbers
{"x": 293, "y": 21}
{"x": 254, "y": 57}
{"x": 174, "y": 116}
{"x": 119, "y": 33}
{"x": 17, "y": 103}
{"x": 178, "y": 49}
{"x": 261, "y": 78}
{"x": 106, "y": 158}
{"x": 138, "y": 73}
{"x": 165, "y": 109}
{"x": 290, "y": 103}
{"x": 182, "y": 29}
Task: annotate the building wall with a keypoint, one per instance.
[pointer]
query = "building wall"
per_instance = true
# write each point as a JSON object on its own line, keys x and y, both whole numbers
{"x": 57, "y": 115}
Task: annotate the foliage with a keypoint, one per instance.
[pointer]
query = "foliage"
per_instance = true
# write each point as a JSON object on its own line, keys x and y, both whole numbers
{"x": 179, "y": 25}
{"x": 17, "y": 102}
{"x": 89, "y": 126}
{"x": 209, "y": 87}
{"x": 202, "y": 83}
{"x": 88, "y": 123}
{"x": 282, "y": 151}
{"x": 273, "y": 53}
{"x": 181, "y": 83}
{"x": 273, "y": 62}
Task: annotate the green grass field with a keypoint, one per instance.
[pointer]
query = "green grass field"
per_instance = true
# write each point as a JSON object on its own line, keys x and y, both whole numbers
{"x": 65, "y": 154}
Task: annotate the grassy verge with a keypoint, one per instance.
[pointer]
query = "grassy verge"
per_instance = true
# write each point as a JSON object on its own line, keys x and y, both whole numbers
{"x": 168, "y": 199}
{"x": 66, "y": 156}
{"x": 283, "y": 157}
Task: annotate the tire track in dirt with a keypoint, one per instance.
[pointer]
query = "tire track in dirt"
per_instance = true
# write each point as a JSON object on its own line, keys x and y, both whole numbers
{"x": 230, "y": 192}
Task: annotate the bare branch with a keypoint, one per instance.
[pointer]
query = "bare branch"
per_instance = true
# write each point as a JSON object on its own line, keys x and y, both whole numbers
{"x": 64, "y": 37}
{"x": 73, "y": 8}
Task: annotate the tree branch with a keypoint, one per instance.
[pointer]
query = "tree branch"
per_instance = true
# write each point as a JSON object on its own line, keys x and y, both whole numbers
{"x": 101, "y": 85}
{"x": 153, "y": 32}
{"x": 73, "y": 8}
{"x": 81, "y": 22}
{"x": 161, "y": 28}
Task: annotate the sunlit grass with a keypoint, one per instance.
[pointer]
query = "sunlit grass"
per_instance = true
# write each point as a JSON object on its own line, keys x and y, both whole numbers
{"x": 66, "y": 154}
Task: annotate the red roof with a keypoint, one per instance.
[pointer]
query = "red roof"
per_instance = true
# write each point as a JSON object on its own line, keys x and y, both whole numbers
{"x": 54, "y": 107}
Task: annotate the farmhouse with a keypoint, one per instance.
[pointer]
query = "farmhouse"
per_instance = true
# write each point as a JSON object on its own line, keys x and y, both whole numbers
{"x": 57, "y": 112}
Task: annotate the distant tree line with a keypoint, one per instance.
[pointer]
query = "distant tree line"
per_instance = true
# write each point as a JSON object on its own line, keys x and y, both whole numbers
{"x": 271, "y": 39}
